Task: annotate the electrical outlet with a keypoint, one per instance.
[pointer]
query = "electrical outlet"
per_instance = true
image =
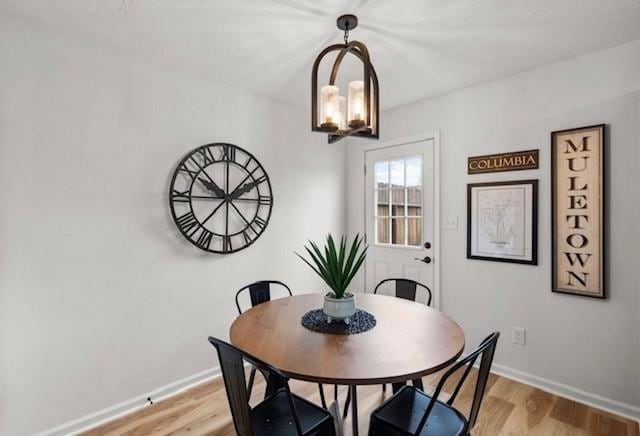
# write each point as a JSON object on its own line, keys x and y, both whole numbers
{"x": 518, "y": 336}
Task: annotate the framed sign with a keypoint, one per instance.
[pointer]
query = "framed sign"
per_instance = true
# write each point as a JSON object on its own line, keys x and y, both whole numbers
{"x": 493, "y": 163}
{"x": 577, "y": 216}
{"x": 502, "y": 221}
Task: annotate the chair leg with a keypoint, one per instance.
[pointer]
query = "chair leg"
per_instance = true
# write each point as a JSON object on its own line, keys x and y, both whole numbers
{"x": 396, "y": 386}
{"x": 252, "y": 377}
{"x": 346, "y": 405}
{"x": 384, "y": 388}
{"x": 418, "y": 383}
{"x": 322, "y": 399}
{"x": 354, "y": 413}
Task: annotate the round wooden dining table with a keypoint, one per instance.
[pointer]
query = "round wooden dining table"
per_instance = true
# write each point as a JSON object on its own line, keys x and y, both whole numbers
{"x": 410, "y": 340}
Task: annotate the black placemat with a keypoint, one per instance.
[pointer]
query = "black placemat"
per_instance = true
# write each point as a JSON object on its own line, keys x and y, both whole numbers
{"x": 360, "y": 322}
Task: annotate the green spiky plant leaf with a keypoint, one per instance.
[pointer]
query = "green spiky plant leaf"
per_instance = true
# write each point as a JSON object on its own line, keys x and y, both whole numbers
{"x": 336, "y": 265}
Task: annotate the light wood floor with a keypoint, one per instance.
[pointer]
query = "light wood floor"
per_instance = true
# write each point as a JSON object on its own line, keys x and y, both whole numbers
{"x": 509, "y": 408}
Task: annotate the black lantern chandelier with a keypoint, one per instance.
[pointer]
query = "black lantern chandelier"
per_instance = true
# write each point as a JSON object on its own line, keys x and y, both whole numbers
{"x": 356, "y": 115}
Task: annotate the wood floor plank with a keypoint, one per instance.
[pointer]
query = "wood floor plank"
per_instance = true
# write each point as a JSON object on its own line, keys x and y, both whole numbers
{"x": 602, "y": 423}
{"x": 495, "y": 413}
{"x": 531, "y": 407}
{"x": 509, "y": 409}
{"x": 553, "y": 427}
{"x": 570, "y": 412}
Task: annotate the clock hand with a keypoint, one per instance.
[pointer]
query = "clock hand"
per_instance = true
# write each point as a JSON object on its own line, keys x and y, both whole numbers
{"x": 247, "y": 177}
{"x": 212, "y": 186}
{"x": 240, "y": 190}
{"x": 244, "y": 189}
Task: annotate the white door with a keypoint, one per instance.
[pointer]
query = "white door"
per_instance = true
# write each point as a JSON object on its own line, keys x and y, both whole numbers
{"x": 399, "y": 198}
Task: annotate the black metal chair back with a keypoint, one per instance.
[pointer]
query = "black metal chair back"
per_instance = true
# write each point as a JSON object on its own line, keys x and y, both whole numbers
{"x": 259, "y": 292}
{"x": 485, "y": 351}
{"x": 406, "y": 289}
{"x": 232, "y": 364}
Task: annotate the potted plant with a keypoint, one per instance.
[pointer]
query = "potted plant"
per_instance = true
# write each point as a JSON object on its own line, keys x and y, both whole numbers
{"x": 337, "y": 267}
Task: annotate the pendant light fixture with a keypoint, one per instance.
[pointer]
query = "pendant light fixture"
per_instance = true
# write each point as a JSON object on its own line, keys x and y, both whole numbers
{"x": 357, "y": 112}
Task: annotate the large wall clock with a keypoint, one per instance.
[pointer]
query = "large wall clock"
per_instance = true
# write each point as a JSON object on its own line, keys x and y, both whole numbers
{"x": 220, "y": 198}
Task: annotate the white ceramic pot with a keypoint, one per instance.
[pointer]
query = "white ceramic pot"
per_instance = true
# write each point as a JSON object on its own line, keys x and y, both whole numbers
{"x": 339, "y": 308}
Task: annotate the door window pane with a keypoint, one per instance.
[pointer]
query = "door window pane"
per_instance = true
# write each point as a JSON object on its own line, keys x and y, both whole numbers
{"x": 414, "y": 171}
{"x": 397, "y": 173}
{"x": 414, "y": 211}
{"x": 397, "y": 231}
{"x": 382, "y": 230}
{"x": 382, "y": 174}
{"x": 397, "y": 206}
{"x": 414, "y": 197}
{"x": 414, "y": 232}
{"x": 381, "y": 197}
{"x": 398, "y": 202}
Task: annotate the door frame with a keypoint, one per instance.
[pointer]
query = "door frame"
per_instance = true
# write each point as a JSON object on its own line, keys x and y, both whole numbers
{"x": 426, "y": 136}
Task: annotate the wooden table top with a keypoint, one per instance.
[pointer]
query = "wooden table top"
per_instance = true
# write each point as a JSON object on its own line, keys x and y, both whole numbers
{"x": 410, "y": 340}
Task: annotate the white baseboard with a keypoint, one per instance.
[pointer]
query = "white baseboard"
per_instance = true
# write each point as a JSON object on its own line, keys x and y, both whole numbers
{"x": 599, "y": 402}
{"x": 116, "y": 411}
{"x": 110, "y": 413}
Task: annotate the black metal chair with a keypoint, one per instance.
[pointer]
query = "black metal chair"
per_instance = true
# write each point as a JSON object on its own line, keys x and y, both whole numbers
{"x": 412, "y": 412}
{"x": 406, "y": 289}
{"x": 259, "y": 292}
{"x": 282, "y": 413}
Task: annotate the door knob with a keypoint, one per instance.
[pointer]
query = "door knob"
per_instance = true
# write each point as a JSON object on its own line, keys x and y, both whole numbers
{"x": 426, "y": 259}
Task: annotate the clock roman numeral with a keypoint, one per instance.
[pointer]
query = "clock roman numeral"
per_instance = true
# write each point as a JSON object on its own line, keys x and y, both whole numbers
{"x": 204, "y": 240}
{"x": 229, "y": 153}
{"x": 207, "y": 156}
{"x": 226, "y": 244}
{"x": 247, "y": 238}
{"x": 196, "y": 163}
{"x": 180, "y": 197}
{"x": 185, "y": 169}
{"x": 247, "y": 163}
{"x": 257, "y": 225}
{"x": 265, "y": 200}
{"x": 187, "y": 222}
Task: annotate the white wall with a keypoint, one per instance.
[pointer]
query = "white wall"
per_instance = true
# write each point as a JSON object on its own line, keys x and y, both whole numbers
{"x": 588, "y": 344}
{"x": 101, "y": 299}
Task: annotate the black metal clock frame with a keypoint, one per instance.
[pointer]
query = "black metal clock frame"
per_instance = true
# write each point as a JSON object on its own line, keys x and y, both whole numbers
{"x": 193, "y": 165}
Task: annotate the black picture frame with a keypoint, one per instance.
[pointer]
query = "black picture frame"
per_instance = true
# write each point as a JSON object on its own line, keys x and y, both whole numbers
{"x": 534, "y": 221}
{"x": 603, "y": 216}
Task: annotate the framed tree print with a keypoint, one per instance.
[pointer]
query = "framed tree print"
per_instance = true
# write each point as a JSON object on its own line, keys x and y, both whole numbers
{"x": 502, "y": 221}
{"x": 577, "y": 215}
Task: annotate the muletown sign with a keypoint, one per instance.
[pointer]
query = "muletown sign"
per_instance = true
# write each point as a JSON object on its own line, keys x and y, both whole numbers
{"x": 577, "y": 174}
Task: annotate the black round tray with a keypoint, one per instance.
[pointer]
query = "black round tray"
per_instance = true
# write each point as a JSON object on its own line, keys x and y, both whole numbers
{"x": 360, "y": 322}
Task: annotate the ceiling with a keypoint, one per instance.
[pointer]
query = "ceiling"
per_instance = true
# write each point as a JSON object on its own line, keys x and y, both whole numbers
{"x": 420, "y": 48}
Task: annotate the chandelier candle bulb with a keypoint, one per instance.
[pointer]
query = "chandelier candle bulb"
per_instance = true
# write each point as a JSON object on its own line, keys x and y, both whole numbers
{"x": 356, "y": 104}
{"x": 328, "y": 109}
{"x": 340, "y": 111}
